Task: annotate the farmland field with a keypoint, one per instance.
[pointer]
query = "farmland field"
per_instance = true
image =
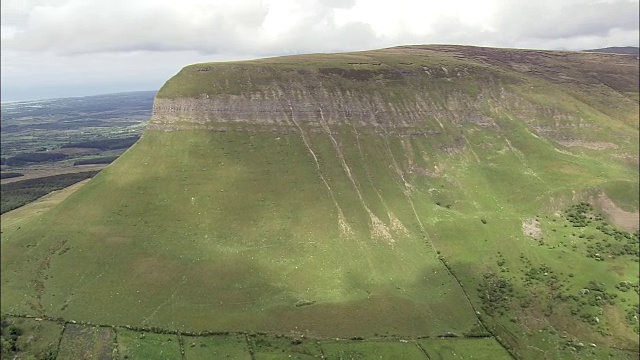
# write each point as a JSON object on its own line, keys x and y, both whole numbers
{"x": 56, "y": 139}
{"x": 53, "y": 339}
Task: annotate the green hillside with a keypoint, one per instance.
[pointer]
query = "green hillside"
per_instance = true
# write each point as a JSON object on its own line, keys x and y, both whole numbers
{"x": 411, "y": 192}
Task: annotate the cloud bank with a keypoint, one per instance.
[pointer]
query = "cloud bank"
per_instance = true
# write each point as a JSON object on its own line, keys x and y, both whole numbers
{"x": 70, "y": 27}
{"x": 49, "y": 43}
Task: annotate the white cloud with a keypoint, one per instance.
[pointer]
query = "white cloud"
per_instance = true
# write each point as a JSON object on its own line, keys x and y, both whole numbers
{"x": 276, "y": 26}
{"x": 82, "y": 32}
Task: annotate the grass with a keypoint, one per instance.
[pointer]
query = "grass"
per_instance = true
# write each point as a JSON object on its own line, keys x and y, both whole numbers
{"x": 143, "y": 345}
{"x": 340, "y": 286}
{"x": 372, "y": 350}
{"x": 445, "y": 349}
{"x": 623, "y": 193}
{"x": 216, "y": 346}
{"x": 175, "y": 279}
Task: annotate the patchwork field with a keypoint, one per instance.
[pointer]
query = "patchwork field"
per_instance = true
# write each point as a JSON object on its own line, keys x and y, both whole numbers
{"x": 48, "y": 338}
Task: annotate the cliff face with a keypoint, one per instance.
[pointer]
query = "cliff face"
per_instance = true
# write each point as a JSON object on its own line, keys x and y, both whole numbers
{"x": 287, "y": 108}
{"x": 369, "y": 95}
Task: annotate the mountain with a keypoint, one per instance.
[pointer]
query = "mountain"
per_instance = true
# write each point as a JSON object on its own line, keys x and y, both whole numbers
{"x": 415, "y": 191}
{"x": 624, "y": 50}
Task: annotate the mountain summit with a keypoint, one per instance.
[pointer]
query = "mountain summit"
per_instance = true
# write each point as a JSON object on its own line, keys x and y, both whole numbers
{"x": 411, "y": 191}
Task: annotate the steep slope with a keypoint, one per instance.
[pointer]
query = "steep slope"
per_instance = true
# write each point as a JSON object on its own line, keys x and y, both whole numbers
{"x": 411, "y": 191}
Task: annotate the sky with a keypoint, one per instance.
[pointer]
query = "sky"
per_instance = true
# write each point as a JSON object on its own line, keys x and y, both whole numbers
{"x": 62, "y": 48}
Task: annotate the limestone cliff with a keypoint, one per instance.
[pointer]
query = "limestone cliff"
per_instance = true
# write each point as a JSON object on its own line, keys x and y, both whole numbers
{"x": 413, "y": 90}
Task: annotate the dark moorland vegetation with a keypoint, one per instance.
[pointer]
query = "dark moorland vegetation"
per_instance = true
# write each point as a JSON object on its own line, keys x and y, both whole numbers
{"x": 16, "y": 194}
{"x": 9, "y": 175}
{"x": 35, "y": 157}
{"x": 104, "y": 144}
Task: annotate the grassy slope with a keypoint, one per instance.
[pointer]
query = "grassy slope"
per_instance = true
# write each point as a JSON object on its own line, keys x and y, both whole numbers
{"x": 229, "y": 231}
{"x": 253, "y": 261}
